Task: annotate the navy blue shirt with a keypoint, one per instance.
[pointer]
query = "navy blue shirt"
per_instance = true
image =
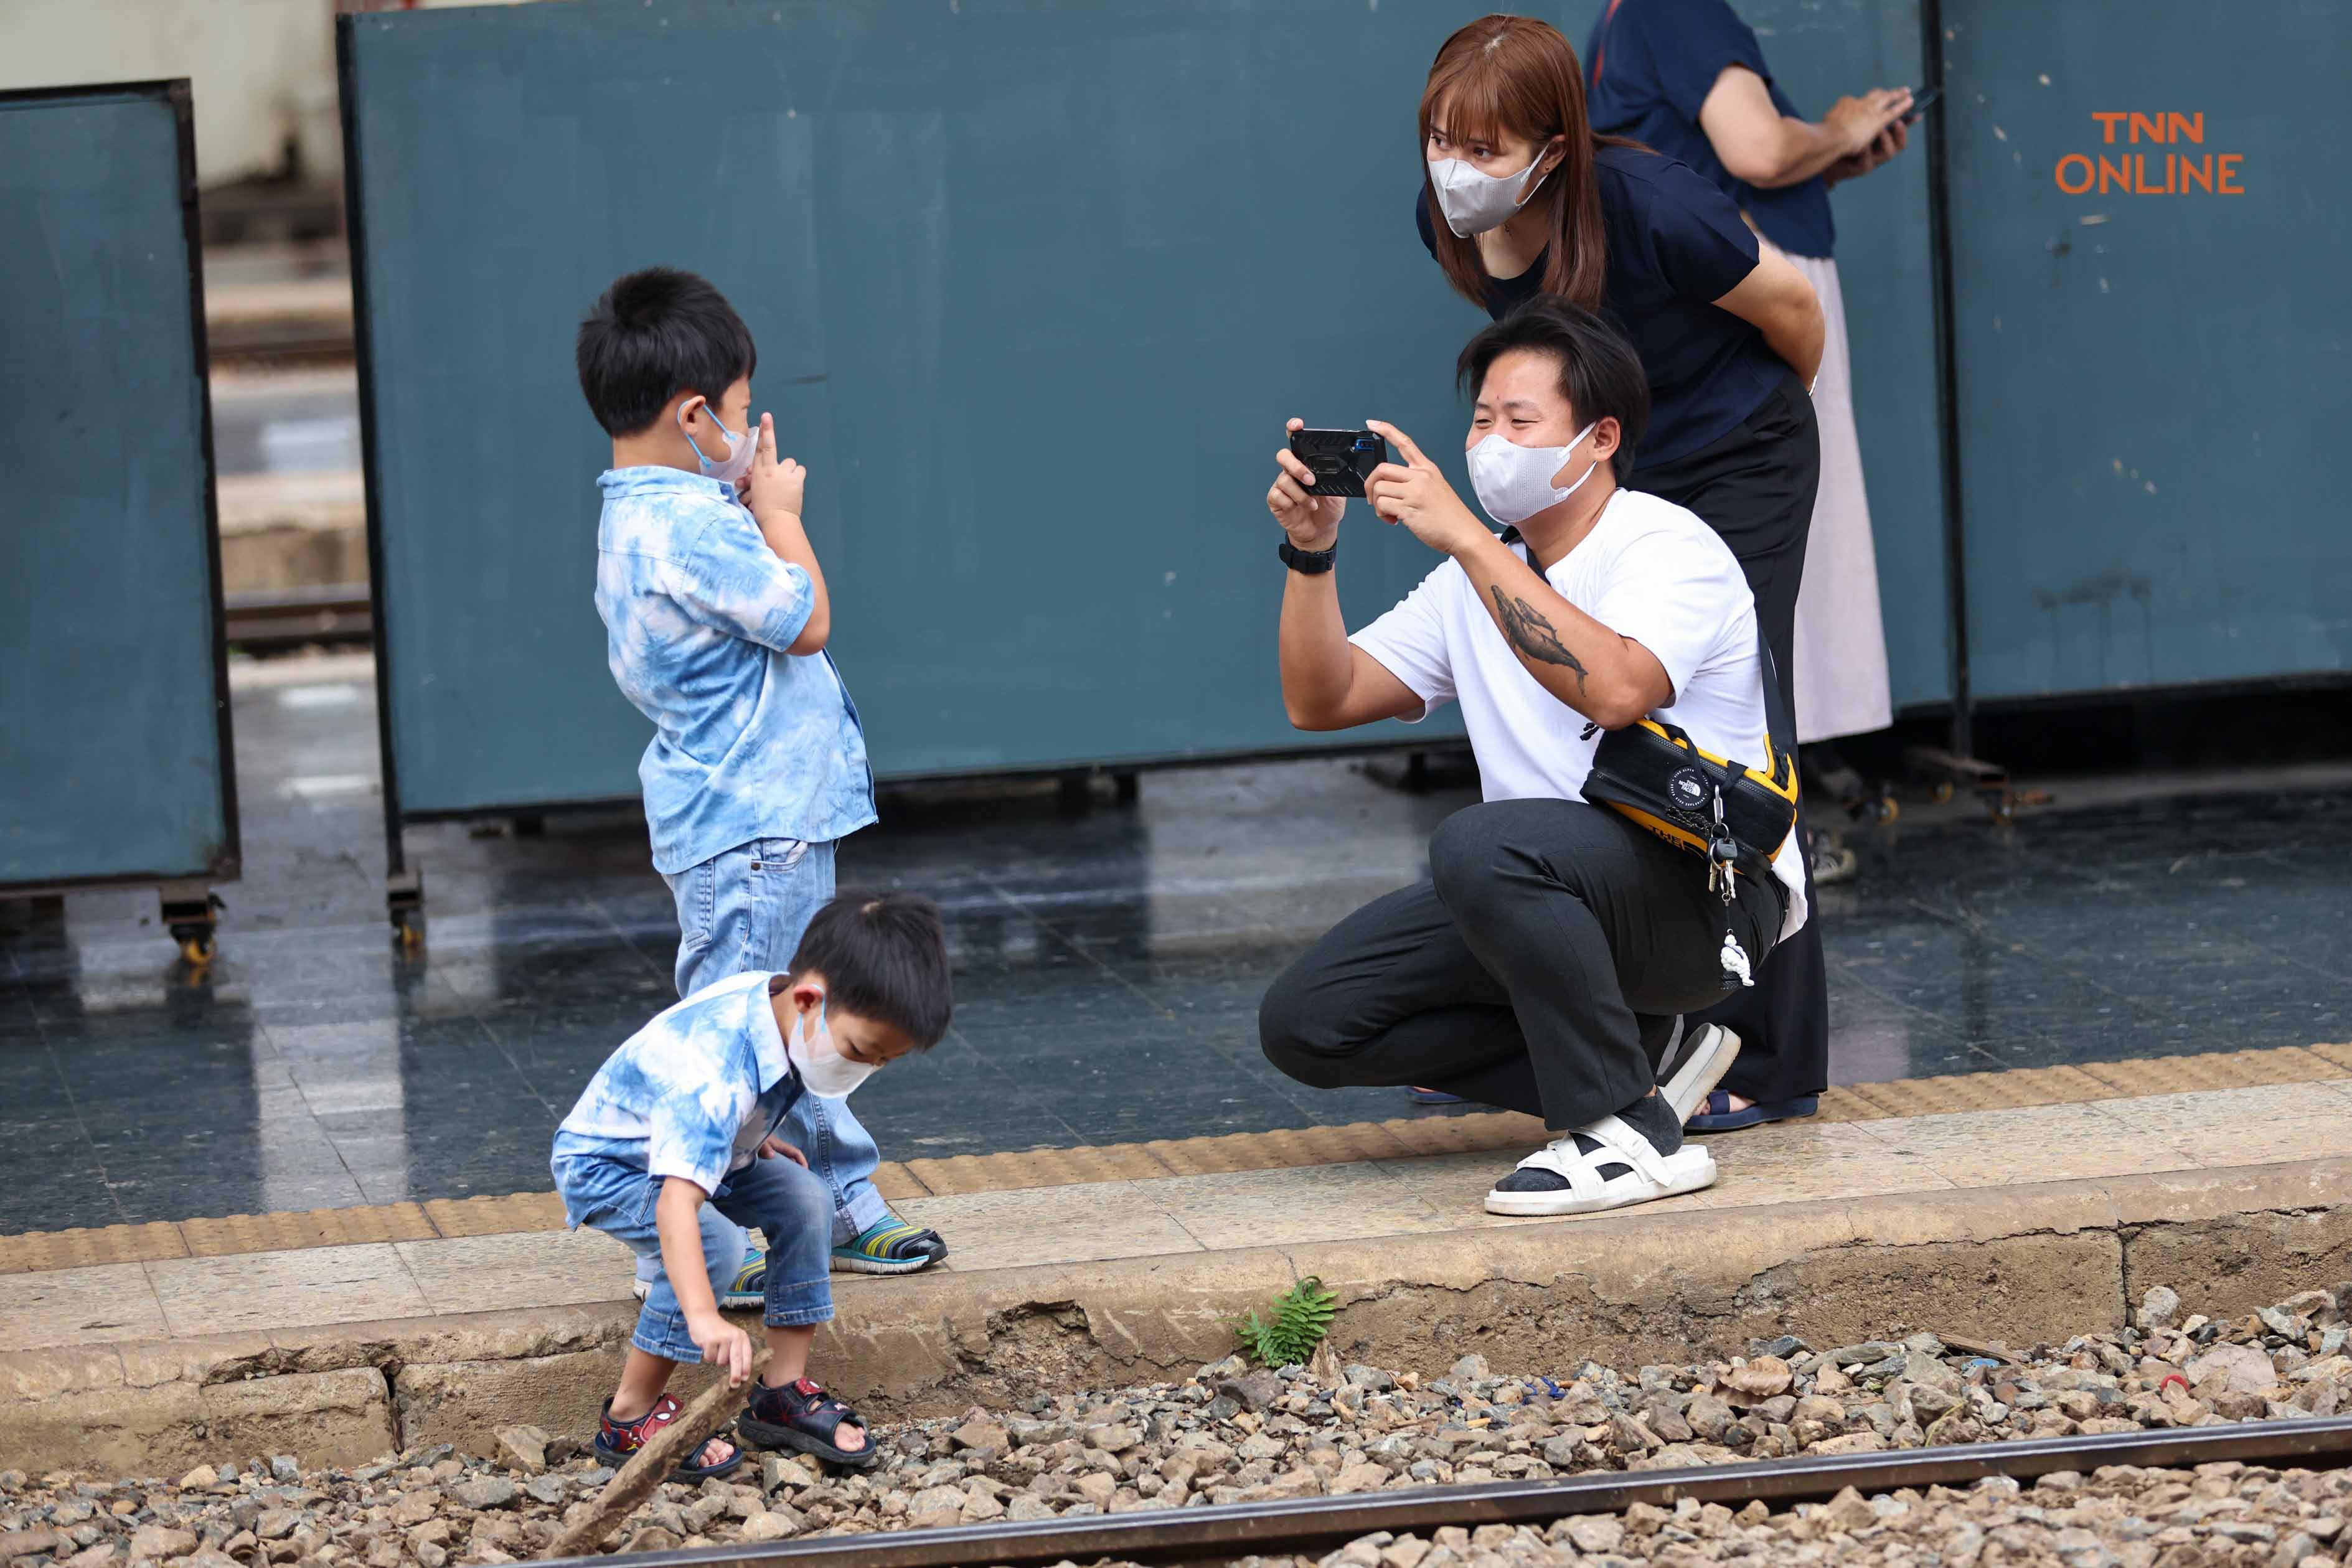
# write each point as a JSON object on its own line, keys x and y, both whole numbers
{"x": 1653, "y": 63}
{"x": 1675, "y": 245}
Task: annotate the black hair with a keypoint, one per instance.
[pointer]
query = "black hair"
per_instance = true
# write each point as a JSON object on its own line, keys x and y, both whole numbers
{"x": 1600, "y": 374}
{"x": 883, "y": 958}
{"x": 653, "y": 335}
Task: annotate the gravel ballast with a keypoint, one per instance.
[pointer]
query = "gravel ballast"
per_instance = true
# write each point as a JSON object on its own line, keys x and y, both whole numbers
{"x": 1234, "y": 1434}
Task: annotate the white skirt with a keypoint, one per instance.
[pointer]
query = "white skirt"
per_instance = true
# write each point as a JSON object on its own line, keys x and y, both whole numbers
{"x": 1841, "y": 643}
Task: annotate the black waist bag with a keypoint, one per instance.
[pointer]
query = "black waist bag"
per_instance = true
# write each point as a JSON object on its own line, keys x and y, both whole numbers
{"x": 1735, "y": 814}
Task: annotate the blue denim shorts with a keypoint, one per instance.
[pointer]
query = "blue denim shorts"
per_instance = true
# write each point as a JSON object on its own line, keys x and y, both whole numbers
{"x": 747, "y": 908}
{"x": 791, "y": 1208}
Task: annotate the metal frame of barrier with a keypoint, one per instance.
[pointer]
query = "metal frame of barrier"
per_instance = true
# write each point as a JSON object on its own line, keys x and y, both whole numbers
{"x": 188, "y": 906}
{"x": 1956, "y": 763}
{"x": 404, "y": 889}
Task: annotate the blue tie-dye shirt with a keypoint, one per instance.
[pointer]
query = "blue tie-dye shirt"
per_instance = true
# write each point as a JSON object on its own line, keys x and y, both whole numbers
{"x": 749, "y": 742}
{"x": 692, "y": 1094}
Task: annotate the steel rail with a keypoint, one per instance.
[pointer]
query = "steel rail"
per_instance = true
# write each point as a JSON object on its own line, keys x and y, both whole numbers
{"x": 1308, "y": 1525}
{"x": 336, "y": 613}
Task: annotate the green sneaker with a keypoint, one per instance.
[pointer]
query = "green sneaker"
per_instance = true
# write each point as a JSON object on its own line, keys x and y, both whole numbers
{"x": 891, "y": 1247}
{"x": 749, "y": 1291}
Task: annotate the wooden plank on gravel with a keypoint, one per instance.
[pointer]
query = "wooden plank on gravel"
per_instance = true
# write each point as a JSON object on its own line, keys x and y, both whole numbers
{"x": 14, "y": 1543}
{"x": 652, "y": 1464}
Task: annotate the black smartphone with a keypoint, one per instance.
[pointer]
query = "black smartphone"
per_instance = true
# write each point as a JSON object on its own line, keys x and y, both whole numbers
{"x": 1341, "y": 459}
{"x": 1919, "y": 102}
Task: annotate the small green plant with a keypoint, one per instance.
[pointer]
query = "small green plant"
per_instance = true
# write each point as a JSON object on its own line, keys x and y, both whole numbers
{"x": 1301, "y": 1317}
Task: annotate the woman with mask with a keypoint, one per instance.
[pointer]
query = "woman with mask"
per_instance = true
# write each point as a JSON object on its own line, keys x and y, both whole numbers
{"x": 1521, "y": 198}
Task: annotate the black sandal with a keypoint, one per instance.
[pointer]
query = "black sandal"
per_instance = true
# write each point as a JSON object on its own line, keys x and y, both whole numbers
{"x": 617, "y": 1442}
{"x": 800, "y": 1415}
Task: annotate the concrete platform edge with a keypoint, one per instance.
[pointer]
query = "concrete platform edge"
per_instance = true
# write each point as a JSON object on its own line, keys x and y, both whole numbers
{"x": 2018, "y": 1264}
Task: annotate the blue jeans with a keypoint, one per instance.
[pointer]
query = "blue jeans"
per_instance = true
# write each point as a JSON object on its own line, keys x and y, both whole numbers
{"x": 790, "y": 1206}
{"x": 744, "y": 910}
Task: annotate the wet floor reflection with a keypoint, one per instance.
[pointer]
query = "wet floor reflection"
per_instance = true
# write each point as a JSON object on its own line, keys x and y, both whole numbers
{"x": 304, "y": 421}
{"x": 1108, "y": 965}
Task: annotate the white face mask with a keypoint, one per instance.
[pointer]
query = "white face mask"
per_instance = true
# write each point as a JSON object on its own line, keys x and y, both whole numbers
{"x": 739, "y": 449}
{"x": 825, "y": 1071}
{"x": 1514, "y": 483}
{"x": 1475, "y": 202}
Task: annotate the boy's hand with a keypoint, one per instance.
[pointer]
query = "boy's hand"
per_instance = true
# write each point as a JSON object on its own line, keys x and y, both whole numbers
{"x": 777, "y": 482}
{"x": 772, "y": 1148}
{"x": 722, "y": 1344}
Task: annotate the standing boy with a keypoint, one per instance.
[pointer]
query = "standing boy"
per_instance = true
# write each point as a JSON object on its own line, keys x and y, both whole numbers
{"x": 717, "y": 619}
{"x": 676, "y": 1144}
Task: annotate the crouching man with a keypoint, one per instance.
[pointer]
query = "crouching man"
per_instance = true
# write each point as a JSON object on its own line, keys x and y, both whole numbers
{"x": 1544, "y": 963}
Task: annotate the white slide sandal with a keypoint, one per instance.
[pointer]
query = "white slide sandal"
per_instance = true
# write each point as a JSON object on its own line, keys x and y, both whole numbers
{"x": 1648, "y": 1176}
{"x": 1706, "y": 1055}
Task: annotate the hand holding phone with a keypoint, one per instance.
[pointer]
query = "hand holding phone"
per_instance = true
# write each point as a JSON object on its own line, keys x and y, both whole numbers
{"x": 1340, "y": 460}
{"x": 1920, "y": 102}
{"x": 1312, "y": 521}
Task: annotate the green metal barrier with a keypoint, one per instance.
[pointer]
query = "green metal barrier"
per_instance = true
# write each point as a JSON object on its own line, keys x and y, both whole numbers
{"x": 1035, "y": 281}
{"x": 1033, "y": 289}
{"x": 113, "y": 689}
{"x": 2153, "y": 395}
{"x": 1033, "y": 285}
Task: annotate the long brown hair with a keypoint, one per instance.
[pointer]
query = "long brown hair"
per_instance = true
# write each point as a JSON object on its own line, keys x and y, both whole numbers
{"x": 1516, "y": 74}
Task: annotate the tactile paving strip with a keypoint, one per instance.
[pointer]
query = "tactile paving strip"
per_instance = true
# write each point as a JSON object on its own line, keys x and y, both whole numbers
{"x": 2223, "y": 1070}
{"x": 1839, "y": 1103}
{"x": 495, "y": 1216}
{"x": 42, "y": 1250}
{"x": 1037, "y": 1167}
{"x": 894, "y": 1181}
{"x": 285, "y": 1232}
{"x": 1474, "y": 1134}
{"x": 1982, "y": 1091}
{"x": 1478, "y": 1132}
{"x": 1280, "y": 1150}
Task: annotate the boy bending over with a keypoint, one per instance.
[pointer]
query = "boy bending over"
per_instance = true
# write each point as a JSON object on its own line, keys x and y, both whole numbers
{"x": 673, "y": 1146}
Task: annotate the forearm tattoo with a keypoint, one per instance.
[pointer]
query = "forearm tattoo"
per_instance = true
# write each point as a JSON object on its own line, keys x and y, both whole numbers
{"x": 1533, "y": 635}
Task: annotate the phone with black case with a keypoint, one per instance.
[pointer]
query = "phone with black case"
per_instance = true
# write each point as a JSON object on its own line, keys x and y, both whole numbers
{"x": 1341, "y": 460}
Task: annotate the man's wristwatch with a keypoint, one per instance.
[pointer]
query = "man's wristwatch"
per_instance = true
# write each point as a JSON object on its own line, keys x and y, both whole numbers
{"x": 1307, "y": 563}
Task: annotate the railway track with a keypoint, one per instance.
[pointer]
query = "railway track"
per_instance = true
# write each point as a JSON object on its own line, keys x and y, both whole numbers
{"x": 1316, "y": 1524}
{"x": 335, "y": 615}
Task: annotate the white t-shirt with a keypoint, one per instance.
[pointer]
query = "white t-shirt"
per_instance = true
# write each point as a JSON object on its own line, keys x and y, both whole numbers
{"x": 1650, "y": 570}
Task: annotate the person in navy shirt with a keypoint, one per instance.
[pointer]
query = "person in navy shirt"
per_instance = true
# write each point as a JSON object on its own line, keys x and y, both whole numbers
{"x": 1521, "y": 196}
{"x": 1688, "y": 78}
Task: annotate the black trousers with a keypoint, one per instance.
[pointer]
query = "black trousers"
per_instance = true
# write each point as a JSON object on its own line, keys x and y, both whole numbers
{"x": 1755, "y": 487}
{"x": 1539, "y": 969}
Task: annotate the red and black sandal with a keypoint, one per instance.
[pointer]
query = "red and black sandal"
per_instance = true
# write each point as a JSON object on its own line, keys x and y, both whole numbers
{"x": 617, "y": 1442}
{"x": 800, "y": 1415}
